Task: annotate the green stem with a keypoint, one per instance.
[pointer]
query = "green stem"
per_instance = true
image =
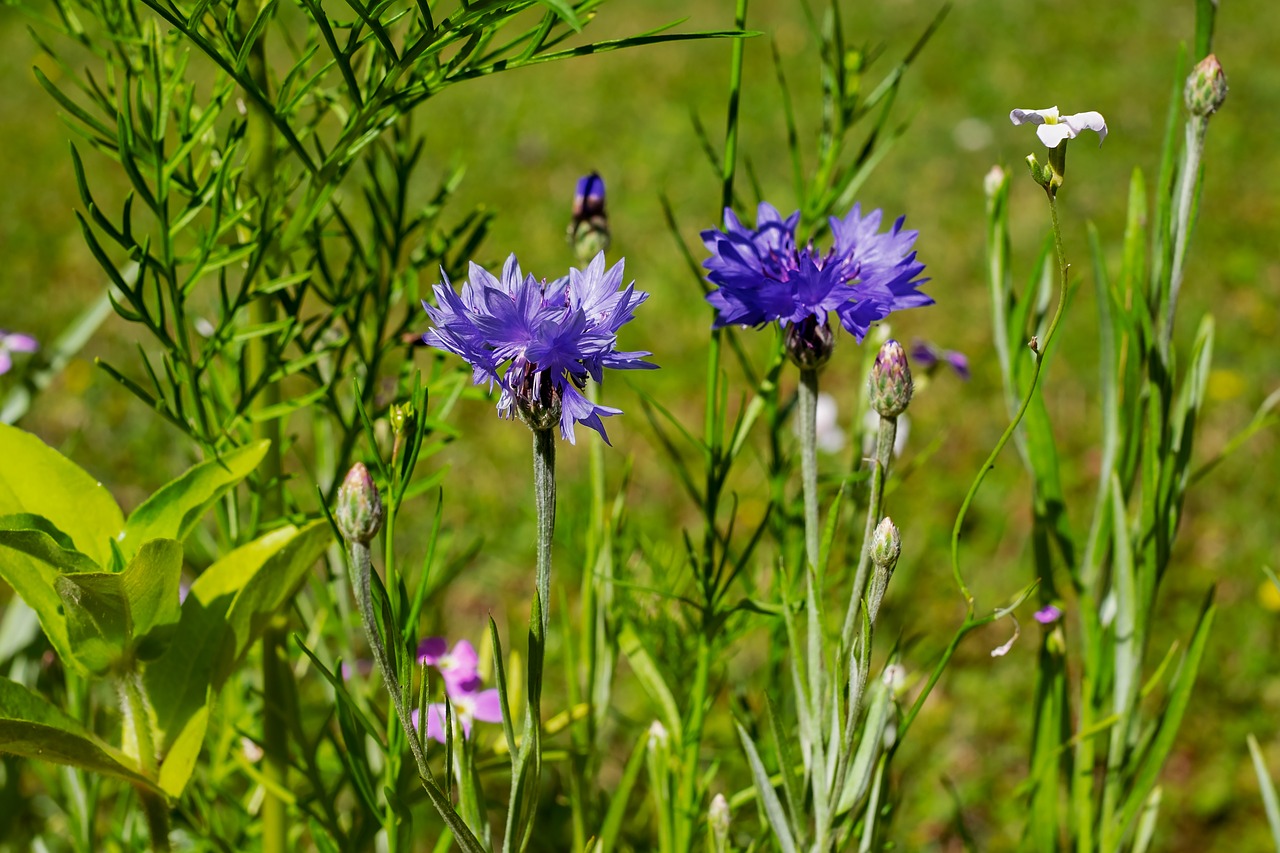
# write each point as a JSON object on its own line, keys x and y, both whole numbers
{"x": 157, "y": 812}
{"x": 1188, "y": 179}
{"x": 688, "y": 797}
{"x": 807, "y": 412}
{"x": 886, "y": 436}
{"x": 1040, "y": 351}
{"x": 362, "y": 582}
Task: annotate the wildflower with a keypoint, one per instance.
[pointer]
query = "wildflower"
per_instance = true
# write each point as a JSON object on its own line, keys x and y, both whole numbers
{"x": 761, "y": 276}
{"x": 929, "y": 357}
{"x": 11, "y": 342}
{"x": 589, "y": 229}
{"x": 550, "y": 337}
{"x": 1053, "y": 128}
{"x": 467, "y": 707}
{"x": 457, "y": 666}
{"x": 1048, "y": 614}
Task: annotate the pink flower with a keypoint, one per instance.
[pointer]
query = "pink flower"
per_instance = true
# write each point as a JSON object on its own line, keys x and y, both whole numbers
{"x": 11, "y": 342}
{"x": 457, "y": 665}
{"x": 484, "y": 706}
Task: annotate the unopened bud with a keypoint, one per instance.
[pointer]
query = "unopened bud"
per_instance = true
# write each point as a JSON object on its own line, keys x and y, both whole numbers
{"x": 401, "y": 416}
{"x": 886, "y": 545}
{"x": 359, "y": 509}
{"x": 890, "y": 383}
{"x": 1206, "y": 87}
{"x": 810, "y": 343}
{"x": 658, "y": 734}
{"x": 718, "y": 820}
{"x": 589, "y": 229}
{"x": 994, "y": 180}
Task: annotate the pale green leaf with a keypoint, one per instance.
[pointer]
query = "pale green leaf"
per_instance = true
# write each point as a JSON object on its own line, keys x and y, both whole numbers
{"x": 37, "y": 479}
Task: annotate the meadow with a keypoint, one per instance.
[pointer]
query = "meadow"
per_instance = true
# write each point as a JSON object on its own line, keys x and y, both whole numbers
{"x": 726, "y": 632}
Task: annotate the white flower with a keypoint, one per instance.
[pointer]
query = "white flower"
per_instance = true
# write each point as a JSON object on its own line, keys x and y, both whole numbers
{"x": 1055, "y": 128}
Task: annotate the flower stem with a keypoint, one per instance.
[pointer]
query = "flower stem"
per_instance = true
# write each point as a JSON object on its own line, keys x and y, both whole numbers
{"x": 362, "y": 582}
{"x": 1040, "y": 350}
{"x": 807, "y": 412}
{"x": 886, "y": 435}
{"x": 1188, "y": 179}
{"x": 157, "y": 812}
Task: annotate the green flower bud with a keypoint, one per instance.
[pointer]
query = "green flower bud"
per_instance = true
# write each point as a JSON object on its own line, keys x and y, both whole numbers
{"x": 359, "y": 509}
{"x": 890, "y": 383}
{"x": 1206, "y": 87}
{"x": 886, "y": 544}
{"x": 401, "y": 415}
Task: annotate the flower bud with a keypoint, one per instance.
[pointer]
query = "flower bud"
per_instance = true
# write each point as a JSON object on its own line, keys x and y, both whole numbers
{"x": 401, "y": 415}
{"x": 890, "y": 383}
{"x": 718, "y": 820}
{"x": 810, "y": 343}
{"x": 1206, "y": 87}
{"x": 589, "y": 229}
{"x": 994, "y": 181}
{"x": 886, "y": 545}
{"x": 359, "y": 509}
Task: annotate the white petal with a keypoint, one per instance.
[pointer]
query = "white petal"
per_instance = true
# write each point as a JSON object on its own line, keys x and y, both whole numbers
{"x": 1034, "y": 116}
{"x": 1053, "y": 134}
{"x": 1087, "y": 121}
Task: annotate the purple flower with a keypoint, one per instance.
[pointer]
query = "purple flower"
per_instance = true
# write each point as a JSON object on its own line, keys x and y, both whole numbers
{"x": 1048, "y": 614}
{"x": 761, "y": 275}
{"x": 457, "y": 665}
{"x": 11, "y": 342}
{"x": 483, "y": 705}
{"x": 539, "y": 342}
{"x": 928, "y": 357}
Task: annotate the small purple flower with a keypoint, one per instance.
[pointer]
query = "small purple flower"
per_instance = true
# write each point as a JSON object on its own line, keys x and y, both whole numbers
{"x": 927, "y": 357}
{"x": 762, "y": 275}
{"x": 458, "y": 666}
{"x": 551, "y": 337}
{"x": 11, "y": 342}
{"x": 1048, "y": 614}
{"x": 482, "y": 705}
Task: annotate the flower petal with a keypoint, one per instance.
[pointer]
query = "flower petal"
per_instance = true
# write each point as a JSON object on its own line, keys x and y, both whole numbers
{"x": 1052, "y": 135}
{"x": 1033, "y": 116}
{"x": 432, "y": 649}
{"x": 487, "y": 707}
{"x": 1087, "y": 121}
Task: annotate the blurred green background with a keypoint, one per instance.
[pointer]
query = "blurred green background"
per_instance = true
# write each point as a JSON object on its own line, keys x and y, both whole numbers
{"x": 525, "y": 137}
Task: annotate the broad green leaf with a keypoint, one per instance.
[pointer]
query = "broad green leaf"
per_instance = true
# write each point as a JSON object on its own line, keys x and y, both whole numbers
{"x": 32, "y": 727}
{"x": 178, "y": 506}
{"x": 32, "y": 558}
{"x": 98, "y": 624}
{"x": 150, "y": 585}
{"x": 226, "y": 609}
{"x": 39, "y": 480}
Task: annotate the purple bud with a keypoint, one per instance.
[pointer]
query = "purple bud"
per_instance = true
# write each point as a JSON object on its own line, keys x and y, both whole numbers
{"x": 810, "y": 343}
{"x": 1048, "y": 614}
{"x": 890, "y": 383}
{"x": 589, "y": 230}
{"x": 359, "y": 509}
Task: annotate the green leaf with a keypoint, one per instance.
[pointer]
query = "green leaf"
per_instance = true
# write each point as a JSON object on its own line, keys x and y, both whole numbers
{"x": 564, "y": 9}
{"x": 151, "y": 586}
{"x": 178, "y": 506}
{"x": 226, "y": 609}
{"x": 31, "y": 727}
{"x": 651, "y": 680}
{"x": 621, "y": 796}
{"x": 1269, "y": 799}
{"x": 98, "y": 624}
{"x": 32, "y": 557}
{"x": 37, "y": 479}
{"x": 768, "y": 796}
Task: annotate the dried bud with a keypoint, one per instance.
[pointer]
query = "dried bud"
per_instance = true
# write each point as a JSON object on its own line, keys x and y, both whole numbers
{"x": 890, "y": 383}
{"x": 1206, "y": 87}
{"x": 718, "y": 820}
{"x": 359, "y": 509}
{"x": 589, "y": 229}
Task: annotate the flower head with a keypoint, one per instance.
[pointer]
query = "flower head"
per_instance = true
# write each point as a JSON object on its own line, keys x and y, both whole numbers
{"x": 1053, "y": 128}
{"x": 458, "y": 666}
{"x": 359, "y": 509}
{"x": 11, "y": 342}
{"x": 761, "y": 274}
{"x": 539, "y": 342}
{"x": 482, "y": 705}
{"x": 1048, "y": 614}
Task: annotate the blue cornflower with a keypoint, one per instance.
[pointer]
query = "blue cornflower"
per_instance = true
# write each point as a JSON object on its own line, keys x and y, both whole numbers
{"x": 761, "y": 275}
{"x": 539, "y": 341}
